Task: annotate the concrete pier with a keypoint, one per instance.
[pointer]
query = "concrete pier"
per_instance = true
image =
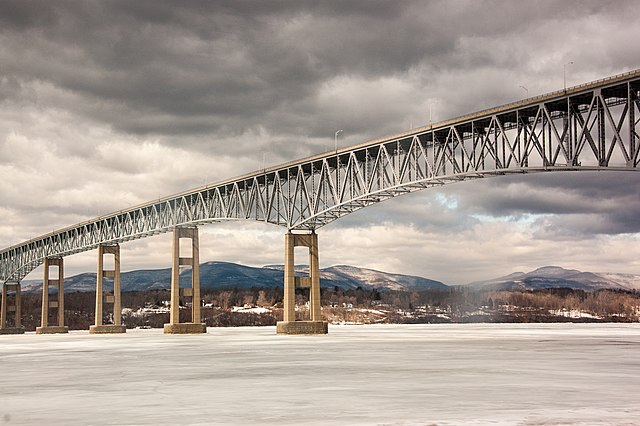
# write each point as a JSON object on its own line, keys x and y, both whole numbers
{"x": 47, "y": 304}
{"x": 15, "y": 307}
{"x": 289, "y": 325}
{"x": 102, "y": 297}
{"x": 195, "y": 326}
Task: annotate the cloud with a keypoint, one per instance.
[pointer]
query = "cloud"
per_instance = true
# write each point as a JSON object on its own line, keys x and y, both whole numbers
{"x": 108, "y": 104}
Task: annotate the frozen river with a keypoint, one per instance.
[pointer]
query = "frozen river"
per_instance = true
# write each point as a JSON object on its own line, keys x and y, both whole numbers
{"x": 499, "y": 374}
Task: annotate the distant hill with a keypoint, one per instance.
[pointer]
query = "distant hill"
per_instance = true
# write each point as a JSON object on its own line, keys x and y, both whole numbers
{"x": 344, "y": 275}
{"x": 351, "y": 277}
{"x": 557, "y": 277}
{"x": 225, "y": 274}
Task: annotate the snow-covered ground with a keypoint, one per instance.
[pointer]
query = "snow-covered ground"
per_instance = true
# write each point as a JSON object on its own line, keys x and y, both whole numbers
{"x": 476, "y": 374}
{"x": 573, "y": 313}
{"x": 250, "y": 309}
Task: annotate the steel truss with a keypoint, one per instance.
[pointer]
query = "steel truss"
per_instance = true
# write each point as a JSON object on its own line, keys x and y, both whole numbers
{"x": 588, "y": 127}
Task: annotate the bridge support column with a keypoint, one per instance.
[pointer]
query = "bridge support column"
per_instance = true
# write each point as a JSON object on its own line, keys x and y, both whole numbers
{"x": 195, "y": 326}
{"x": 289, "y": 325}
{"x": 102, "y": 298}
{"x": 45, "y": 328}
{"x": 14, "y": 307}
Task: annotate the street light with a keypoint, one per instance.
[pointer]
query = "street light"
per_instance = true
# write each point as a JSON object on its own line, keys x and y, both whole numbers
{"x": 526, "y": 90}
{"x": 430, "y": 112}
{"x": 335, "y": 139}
{"x": 564, "y": 74}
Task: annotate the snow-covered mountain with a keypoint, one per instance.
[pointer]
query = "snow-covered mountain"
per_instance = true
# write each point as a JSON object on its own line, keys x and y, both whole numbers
{"x": 370, "y": 278}
{"x": 225, "y": 274}
{"x": 625, "y": 281}
{"x": 345, "y": 276}
{"x": 557, "y": 277}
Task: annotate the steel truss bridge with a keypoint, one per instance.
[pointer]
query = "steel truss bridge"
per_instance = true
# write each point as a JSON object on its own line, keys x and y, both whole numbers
{"x": 593, "y": 126}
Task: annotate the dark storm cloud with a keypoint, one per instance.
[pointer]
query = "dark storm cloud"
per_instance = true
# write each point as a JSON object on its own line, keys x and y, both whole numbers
{"x": 570, "y": 204}
{"x": 584, "y": 203}
{"x": 104, "y": 104}
{"x": 205, "y": 67}
{"x": 552, "y": 193}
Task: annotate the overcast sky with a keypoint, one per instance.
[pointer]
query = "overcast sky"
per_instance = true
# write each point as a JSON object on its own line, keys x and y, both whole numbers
{"x": 106, "y": 104}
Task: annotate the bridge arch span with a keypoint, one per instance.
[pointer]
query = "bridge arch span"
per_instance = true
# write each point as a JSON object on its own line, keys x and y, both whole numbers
{"x": 594, "y": 126}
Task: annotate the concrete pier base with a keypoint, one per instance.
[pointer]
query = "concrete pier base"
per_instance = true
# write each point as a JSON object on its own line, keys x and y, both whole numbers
{"x": 192, "y": 292}
{"x": 107, "y": 329}
{"x": 47, "y": 303}
{"x": 302, "y": 327}
{"x": 289, "y": 325}
{"x": 7, "y": 307}
{"x": 185, "y": 328}
{"x": 105, "y": 298}
{"x": 52, "y": 329}
{"x": 12, "y": 330}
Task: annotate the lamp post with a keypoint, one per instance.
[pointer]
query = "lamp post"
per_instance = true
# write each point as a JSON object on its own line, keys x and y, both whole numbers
{"x": 525, "y": 89}
{"x": 335, "y": 139}
{"x": 430, "y": 121}
{"x": 564, "y": 74}
{"x": 431, "y": 112}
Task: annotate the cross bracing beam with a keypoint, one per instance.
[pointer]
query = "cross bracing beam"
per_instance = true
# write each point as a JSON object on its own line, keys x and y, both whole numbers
{"x": 594, "y": 126}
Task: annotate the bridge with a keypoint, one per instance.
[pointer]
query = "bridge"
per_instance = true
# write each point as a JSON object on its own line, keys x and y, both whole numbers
{"x": 593, "y": 126}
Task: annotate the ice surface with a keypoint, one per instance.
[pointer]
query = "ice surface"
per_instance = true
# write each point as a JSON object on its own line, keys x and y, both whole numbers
{"x": 499, "y": 374}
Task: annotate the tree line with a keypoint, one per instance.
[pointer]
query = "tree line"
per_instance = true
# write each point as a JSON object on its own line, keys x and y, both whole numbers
{"x": 457, "y": 304}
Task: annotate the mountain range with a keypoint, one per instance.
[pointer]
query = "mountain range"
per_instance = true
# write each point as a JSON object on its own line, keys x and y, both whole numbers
{"x": 227, "y": 275}
{"x": 557, "y": 277}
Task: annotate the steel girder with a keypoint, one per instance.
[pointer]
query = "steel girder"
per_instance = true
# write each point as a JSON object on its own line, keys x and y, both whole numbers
{"x": 590, "y": 127}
